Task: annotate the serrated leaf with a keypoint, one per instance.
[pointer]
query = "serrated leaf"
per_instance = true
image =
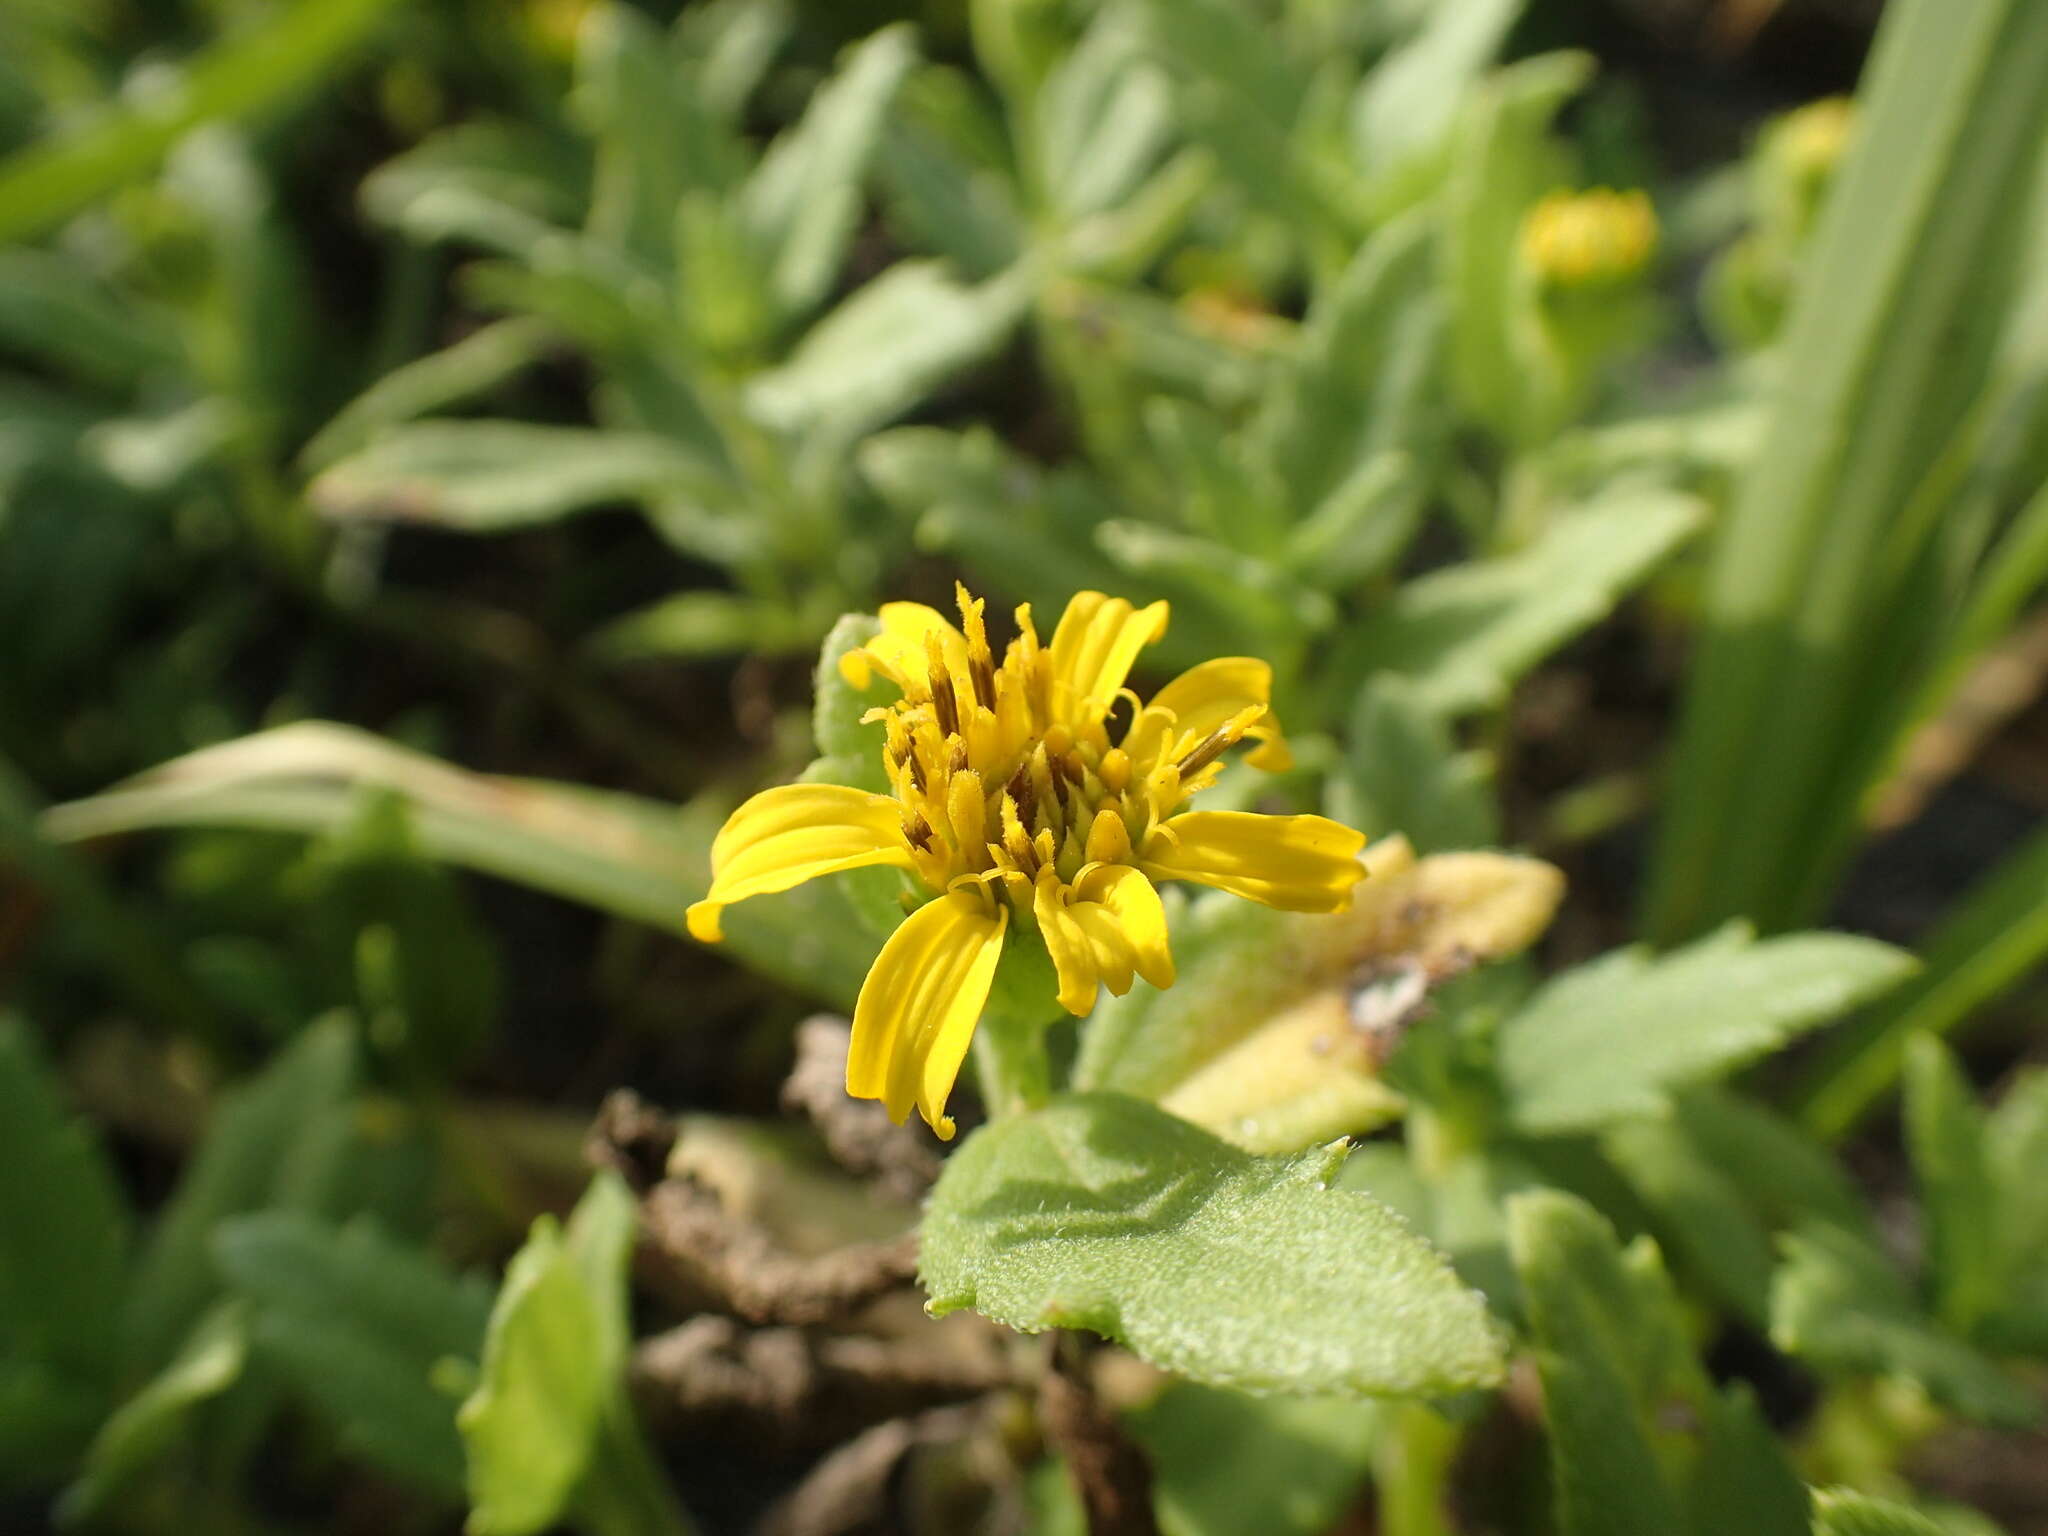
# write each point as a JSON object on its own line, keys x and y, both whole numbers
{"x": 1464, "y": 634}
{"x": 1256, "y": 1039}
{"x": 1102, "y": 1212}
{"x": 63, "y": 1267}
{"x": 1838, "y": 1304}
{"x": 357, "y": 1323}
{"x": 489, "y": 476}
{"x": 803, "y": 202}
{"x": 1615, "y": 1037}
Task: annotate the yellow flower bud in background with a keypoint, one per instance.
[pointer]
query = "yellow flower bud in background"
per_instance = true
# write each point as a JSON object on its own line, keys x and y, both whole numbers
{"x": 1796, "y": 160}
{"x": 1593, "y": 239}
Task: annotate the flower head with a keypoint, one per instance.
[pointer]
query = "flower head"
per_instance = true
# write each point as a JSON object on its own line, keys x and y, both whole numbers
{"x": 1021, "y": 808}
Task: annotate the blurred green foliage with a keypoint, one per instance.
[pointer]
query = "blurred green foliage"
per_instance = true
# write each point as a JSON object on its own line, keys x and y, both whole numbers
{"x": 537, "y": 386}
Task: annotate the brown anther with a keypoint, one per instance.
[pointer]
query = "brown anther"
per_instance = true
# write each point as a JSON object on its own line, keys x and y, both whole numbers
{"x": 916, "y": 763}
{"x": 945, "y": 703}
{"x": 1206, "y": 753}
{"x": 1022, "y": 793}
{"x": 984, "y": 675}
{"x": 957, "y": 762}
{"x": 919, "y": 834}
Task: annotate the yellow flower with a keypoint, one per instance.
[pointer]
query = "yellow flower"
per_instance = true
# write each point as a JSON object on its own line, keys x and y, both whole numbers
{"x": 1583, "y": 239}
{"x": 1021, "y": 808}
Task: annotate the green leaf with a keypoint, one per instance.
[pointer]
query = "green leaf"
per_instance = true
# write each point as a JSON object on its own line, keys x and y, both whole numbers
{"x": 654, "y": 140}
{"x": 2015, "y": 1151}
{"x": 489, "y": 476}
{"x": 1465, "y": 633}
{"x": 625, "y": 854}
{"x": 1986, "y": 943}
{"x": 886, "y": 347}
{"x": 1843, "y": 1512}
{"x": 946, "y": 171}
{"x": 803, "y": 203}
{"x": 1102, "y": 1212}
{"x": 63, "y": 1267}
{"x": 269, "y": 1143}
{"x": 498, "y": 184}
{"x": 551, "y": 1367}
{"x": 1502, "y": 161}
{"x": 283, "y": 54}
{"x": 1403, "y": 773}
{"x": 1104, "y": 115}
{"x": 1640, "y": 1441}
{"x": 1363, "y": 527}
{"x": 149, "y": 1423}
{"x": 473, "y": 366}
{"x": 1945, "y": 1139}
{"x": 1900, "y": 310}
{"x": 1699, "y": 1213}
{"x": 1405, "y": 106}
{"x": 357, "y": 1323}
{"x": 1613, "y": 1038}
{"x": 530, "y": 1425}
{"x": 47, "y": 1417}
{"x": 853, "y": 750}
{"x": 702, "y": 623}
{"x": 1838, "y": 1304}
{"x": 54, "y": 309}
{"x": 1787, "y": 1175}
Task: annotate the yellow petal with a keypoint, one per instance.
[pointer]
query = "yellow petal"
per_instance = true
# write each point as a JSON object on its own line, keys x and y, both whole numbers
{"x": 793, "y": 833}
{"x": 920, "y": 1003}
{"x": 1093, "y": 649}
{"x": 899, "y": 650}
{"x": 1100, "y": 930}
{"x": 1132, "y": 901}
{"x": 1296, "y": 863}
{"x": 1181, "y": 715}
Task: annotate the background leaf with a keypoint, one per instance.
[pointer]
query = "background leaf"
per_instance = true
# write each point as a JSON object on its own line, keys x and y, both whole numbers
{"x": 1654, "y": 1025}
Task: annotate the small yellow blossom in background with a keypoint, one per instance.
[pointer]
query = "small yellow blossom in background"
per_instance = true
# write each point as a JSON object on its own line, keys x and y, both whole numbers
{"x": 1813, "y": 138}
{"x": 1589, "y": 239}
{"x": 1017, "y": 809}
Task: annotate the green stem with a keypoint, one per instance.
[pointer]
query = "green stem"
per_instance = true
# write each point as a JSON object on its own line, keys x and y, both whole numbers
{"x": 1411, "y": 1471}
{"x": 1011, "y": 1065}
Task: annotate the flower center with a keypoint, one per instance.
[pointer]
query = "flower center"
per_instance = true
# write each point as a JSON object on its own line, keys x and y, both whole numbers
{"x": 1005, "y": 776}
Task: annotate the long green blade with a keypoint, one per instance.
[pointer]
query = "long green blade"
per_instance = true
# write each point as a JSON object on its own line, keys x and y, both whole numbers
{"x": 1889, "y": 346}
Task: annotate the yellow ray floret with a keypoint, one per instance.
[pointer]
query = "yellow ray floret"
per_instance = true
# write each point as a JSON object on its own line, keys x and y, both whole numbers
{"x": 1020, "y": 808}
